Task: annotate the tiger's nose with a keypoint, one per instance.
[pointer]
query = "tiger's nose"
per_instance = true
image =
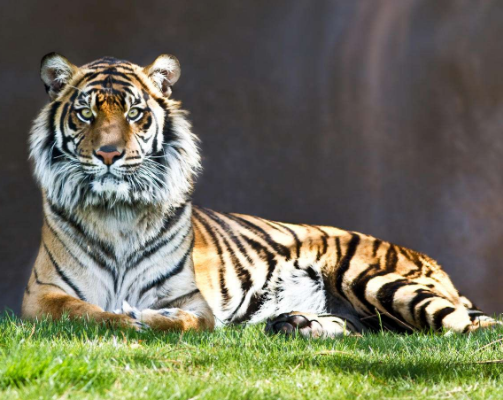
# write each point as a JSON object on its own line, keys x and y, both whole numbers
{"x": 108, "y": 154}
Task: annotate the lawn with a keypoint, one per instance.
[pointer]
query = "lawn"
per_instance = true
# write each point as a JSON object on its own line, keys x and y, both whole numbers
{"x": 72, "y": 360}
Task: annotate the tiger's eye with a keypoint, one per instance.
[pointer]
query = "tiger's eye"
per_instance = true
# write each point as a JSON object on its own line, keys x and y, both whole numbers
{"x": 133, "y": 113}
{"x": 86, "y": 113}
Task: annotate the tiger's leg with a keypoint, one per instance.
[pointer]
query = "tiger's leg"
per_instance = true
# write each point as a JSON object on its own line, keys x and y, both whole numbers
{"x": 191, "y": 313}
{"x": 55, "y": 303}
{"x": 423, "y": 303}
{"x": 312, "y": 325}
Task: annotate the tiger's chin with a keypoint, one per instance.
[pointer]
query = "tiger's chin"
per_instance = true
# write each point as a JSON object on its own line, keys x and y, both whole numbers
{"x": 112, "y": 191}
{"x": 110, "y": 186}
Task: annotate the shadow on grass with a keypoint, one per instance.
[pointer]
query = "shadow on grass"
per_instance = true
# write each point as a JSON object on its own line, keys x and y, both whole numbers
{"x": 427, "y": 371}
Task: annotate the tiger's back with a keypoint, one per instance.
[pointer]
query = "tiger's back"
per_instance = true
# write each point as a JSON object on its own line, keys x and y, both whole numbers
{"x": 251, "y": 269}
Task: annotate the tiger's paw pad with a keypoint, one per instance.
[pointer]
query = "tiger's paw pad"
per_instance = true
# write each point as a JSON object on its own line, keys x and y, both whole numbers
{"x": 290, "y": 324}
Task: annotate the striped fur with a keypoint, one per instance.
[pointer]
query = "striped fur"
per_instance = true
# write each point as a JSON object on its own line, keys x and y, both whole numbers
{"x": 251, "y": 269}
{"x": 117, "y": 239}
{"x": 121, "y": 242}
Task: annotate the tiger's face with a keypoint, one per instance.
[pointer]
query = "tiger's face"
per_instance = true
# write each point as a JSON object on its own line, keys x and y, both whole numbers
{"x": 111, "y": 135}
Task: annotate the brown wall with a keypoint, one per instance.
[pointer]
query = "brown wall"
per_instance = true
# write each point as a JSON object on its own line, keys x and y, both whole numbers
{"x": 384, "y": 117}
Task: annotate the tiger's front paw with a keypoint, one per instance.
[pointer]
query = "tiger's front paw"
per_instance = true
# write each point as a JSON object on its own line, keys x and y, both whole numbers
{"x": 307, "y": 325}
{"x": 289, "y": 324}
{"x": 134, "y": 316}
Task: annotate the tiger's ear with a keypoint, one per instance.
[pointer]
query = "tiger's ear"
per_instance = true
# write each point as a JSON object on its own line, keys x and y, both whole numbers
{"x": 165, "y": 72}
{"x": 56, "y": 71}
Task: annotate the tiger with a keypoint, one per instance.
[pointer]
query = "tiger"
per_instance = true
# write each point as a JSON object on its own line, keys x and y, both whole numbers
{"x": 116, "y": 160}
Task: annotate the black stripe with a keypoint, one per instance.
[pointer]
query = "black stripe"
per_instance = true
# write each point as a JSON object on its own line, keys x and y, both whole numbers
{"x": 65, "y": 139}
{"x": 105, "y": 83}
{"x": 159, "y": 240}
{"x": 415, "y": 258}
{"x": 96, "y": 255}
{"x": 50, "y": 140}
{"x": 89, "y": 76}
{"x": 391, "y": 259}
{"x": 146, "y": 125}
{"x": 232, "y": 316}
{"x": 258, "y": 299}
{"x": 345, "y": 262}
{"x": 256, "y": 302}
{"x": 439, "y": 316}
{"x": 168, "y": 132}
{"x": 130, "y": 74}
{"x": 159, "y": 245}
{"x": 375, "y": 246}
{"x": 298, "y": 243}
{"x": 63, "y": 276}
{"x": 108, "y": 60}
{"x": 421, "y": 314}
{"x": 144, "y": 139}
{"x": 474, "y": 314}
{"x": 44, "y": 283}
{"x": 72, "y": 125}
{"x": 421, "y": 294}
{"x": 167, "y": 303}
{"x": 265, "y": 255}
{"x": 408, "y": 256}
{"x": 131, "y": 267}
{"x": 242, "y": 272}
{"x": 323, "y": 251}
{"x": 386, "y": 294}
{"x": 158, "y": 145}
{"x": 278, "y": 247}
{"x": 315, "y": 277}
{"x": 359, "y": 285}
{"x": 142, "y": 150}
{"x": 228, "y": 229}
{"x": 103, "y": 248}
{"x": 56, "y": 235}
{"x": 223, "y": 287}
{"x": 168, "y": 275}
{"x": 338, "y": 251}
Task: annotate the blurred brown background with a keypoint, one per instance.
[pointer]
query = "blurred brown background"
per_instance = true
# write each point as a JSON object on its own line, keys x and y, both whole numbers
{"x": 384, "y": 117}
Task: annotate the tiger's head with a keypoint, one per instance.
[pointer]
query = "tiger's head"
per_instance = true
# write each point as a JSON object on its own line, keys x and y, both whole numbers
{"x": 111, "y": 135}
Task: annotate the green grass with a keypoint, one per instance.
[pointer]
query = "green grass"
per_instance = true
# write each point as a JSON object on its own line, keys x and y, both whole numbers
{"x": 69, "y": 360}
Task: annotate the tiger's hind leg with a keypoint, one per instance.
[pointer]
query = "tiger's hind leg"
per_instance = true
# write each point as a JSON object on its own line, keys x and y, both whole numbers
{"x": 312, "y": 325}
{"x": 424, "y": 303}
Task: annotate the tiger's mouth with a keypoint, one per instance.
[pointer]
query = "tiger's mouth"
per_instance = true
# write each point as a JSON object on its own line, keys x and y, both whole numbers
{"x": 103, "y": 171}
{"x": 127, "y": 182}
